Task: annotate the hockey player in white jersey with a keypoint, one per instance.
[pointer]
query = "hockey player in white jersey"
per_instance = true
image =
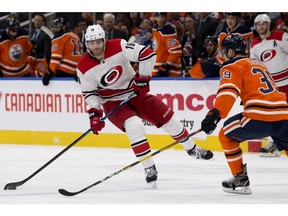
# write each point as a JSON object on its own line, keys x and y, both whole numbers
{"x": 106, "y": 79}
{"x": 271, "y": 48}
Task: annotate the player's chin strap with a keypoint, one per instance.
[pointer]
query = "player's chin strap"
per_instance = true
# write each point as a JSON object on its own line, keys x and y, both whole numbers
{"x": 14, "y": 185}
{"x": 67, "y": 193}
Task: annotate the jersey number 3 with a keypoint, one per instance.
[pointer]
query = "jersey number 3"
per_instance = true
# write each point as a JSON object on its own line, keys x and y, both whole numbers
{"x": 265, "y": 78}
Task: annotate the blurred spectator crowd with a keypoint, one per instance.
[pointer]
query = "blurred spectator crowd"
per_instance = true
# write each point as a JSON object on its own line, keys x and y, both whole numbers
{"x": 186, "y": 43}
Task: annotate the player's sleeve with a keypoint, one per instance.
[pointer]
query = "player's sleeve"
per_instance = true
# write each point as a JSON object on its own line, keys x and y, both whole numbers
{"x": 228, "y": 91}
{"x": 253, "y": 51}
{"x": 138, "y": 53}
{"x": 89, "y": 88}
{"x": 56, "y": 54}
{"x": 174, "y": 48}
{"x": 285, "y": 42}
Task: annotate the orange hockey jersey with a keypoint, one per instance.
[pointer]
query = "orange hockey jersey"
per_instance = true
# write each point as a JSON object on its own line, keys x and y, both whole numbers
{"x": 242, "y": 30}
{"x": 65, "y": 53}
{"x": 14, "y": 55}
{"x": 168, "y": 50}
{"x": 249, "y": 79}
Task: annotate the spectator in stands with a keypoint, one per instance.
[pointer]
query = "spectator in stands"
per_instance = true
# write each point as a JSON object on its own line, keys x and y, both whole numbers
{"x": 110, "y": 31}
{"x": 167, "y": 47}
{"x": 15, "y": 48}
{"x": 208, "y": 65}
{"x": 135, "y": 21}
{"x": 188, "y": 55}
{"x": 80, "y": 30}
{"x": 64, "y": 52}
{"x": 121, "y": 19}
{"x": 177, "y": 21}
{"x": 205, "y": 26}
{"x": 100, "y": 22}
{"x": 282, "y": 22}
{"x": 234, "y": 26}
{"x": 125, "y": 28}
{"x": 41, "y": 39}
{"x": 88, "y": 16}
{"x": 144, "y": 37}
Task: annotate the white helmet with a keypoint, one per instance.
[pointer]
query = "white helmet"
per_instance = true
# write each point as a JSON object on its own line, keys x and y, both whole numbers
{"x": 262, "y": 18}
{"x": 94, "y": 32}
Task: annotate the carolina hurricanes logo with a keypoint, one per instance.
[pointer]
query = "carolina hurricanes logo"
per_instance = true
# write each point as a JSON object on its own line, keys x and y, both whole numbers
{"x": 111, "y": 76}
{"x": 15, "y": 52}
{"x": 267, "y": 55}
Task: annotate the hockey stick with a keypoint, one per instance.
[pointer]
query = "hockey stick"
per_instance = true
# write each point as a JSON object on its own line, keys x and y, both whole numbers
{"x": 67, "y": 193}
{"x": 14, "y": 185}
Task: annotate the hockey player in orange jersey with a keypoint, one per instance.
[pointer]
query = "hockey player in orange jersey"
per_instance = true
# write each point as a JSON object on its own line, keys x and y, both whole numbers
{"x": 234, "y": 26}
{"x": 64, "y": 52}
{"x": 265, "y": 110}
{"x": 15, "y": 48}
{"x": 167, "y": 47}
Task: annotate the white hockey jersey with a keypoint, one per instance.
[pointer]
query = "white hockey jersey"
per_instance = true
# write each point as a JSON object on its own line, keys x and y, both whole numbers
{"x": 273, "y": 52}
{"x": 112, "y": 77}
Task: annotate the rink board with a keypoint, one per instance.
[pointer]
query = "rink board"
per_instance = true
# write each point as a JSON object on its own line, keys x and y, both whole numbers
{"x": 56, "y": 114}
{"x": 156, "y": 141}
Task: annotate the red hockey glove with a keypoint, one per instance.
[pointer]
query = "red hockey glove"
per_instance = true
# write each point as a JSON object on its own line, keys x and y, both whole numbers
{"x": 164, "y": 70}
{"x": 95, "y": 120}
{"x": 210, "y": 122}
{"x": 141, "y": 85}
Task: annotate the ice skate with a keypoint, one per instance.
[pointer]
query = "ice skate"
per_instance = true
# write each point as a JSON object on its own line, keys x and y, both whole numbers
{"x": 270, "y": 150}
{"x": 151, "y": 175}
{"x": 200, "y": 153}
{"x": 238, "y": 184}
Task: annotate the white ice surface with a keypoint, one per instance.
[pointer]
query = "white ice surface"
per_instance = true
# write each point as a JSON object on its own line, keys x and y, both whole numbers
{"x": 181, "y": 180}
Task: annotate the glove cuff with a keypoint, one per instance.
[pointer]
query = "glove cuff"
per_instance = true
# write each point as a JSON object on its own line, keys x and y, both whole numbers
{"x": 93, "y": 112}
{"x": 137, "y": 78}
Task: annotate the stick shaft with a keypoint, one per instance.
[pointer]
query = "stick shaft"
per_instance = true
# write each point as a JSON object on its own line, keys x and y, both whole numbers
{"x": 16, "y": 184}
{"x": 67, "y": 193}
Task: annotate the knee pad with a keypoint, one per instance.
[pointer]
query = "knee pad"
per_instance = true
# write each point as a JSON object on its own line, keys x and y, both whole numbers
{"x": 134, "y": 129}
{"x": 173, "y": 127}
{"x": 227, "y": 143}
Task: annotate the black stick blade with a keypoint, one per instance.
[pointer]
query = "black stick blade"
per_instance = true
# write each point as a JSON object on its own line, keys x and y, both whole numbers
{"x": 11, "y": 186}
{"x": 66, "y": 193}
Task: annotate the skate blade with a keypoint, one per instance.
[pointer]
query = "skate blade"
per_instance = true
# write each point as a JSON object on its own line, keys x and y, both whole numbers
{"x": 269, "y": 154}
{"x": 240, "y": 190}
{"x": 153, "y": 183}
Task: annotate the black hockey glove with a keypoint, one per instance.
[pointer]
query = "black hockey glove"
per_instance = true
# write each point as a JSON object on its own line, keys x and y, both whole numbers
{"x": 46, "y": 78}
{"x": 164, "y": 70}
{"x": 210, "y": 121}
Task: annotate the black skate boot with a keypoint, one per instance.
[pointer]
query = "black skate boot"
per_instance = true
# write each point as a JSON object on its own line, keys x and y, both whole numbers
{"x": 270, "y": 150}
{"x": 151, "y": 175}
{"x": 200, "y": 153}
{"x": 238, "y": 184}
